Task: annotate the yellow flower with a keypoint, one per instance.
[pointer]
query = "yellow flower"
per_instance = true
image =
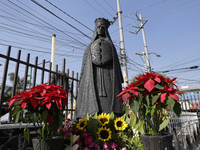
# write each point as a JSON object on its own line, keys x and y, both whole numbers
{"x": 120, "y": 124}
{"x": 104, "y": 134}
{"x": 82, "y": 123}
{"x": 104, "y": 118}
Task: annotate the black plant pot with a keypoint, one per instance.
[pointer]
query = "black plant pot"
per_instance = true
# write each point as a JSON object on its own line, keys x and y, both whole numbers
{"x": 54, "y": 143}
{"x": 162, "y": 142}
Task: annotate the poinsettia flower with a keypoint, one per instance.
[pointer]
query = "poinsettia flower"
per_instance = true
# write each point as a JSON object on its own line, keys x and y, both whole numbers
{"x": 149, "y": 85}
{"x": 171, "y": 92}
{"x": 149, "y": 80}
{"x": 126, "y": 93}
{"x": 49, "y": 120}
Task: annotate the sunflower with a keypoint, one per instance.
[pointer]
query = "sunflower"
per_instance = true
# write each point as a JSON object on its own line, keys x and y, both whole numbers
{"x": 82, "y": 123}
{"x": 104, "y": 118}
{"x": 104, "y": 134}
{"x": 120, "y": 124}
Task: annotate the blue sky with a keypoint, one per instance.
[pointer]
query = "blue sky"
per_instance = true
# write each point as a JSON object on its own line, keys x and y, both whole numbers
{"x": 172, "y": 31}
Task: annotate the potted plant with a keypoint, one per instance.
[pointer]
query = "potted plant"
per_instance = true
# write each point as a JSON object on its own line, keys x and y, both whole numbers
{"x": 149, "y": 95}
{"x": 102, "y": 131}
{"x": 43, "y": 108}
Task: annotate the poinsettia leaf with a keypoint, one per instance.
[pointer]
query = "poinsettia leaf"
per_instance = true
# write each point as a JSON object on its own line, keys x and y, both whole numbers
{"x": 126, "y": 97}
{"x": 164, "y": 124}
{"x": 133, "y": 121}
{"x": 146, "y": 101}
{"x": 44, "y": 115}
{"x": 141, "y": 126}
{"x": 140, "y": 97}
{"x": 33, "y": 117}
{"x": 15, "y": 110}
{"x": 155, "y": 98}
{"x": 158, "y": 86}
{"x": 177, "y": 109}
{"x": 170, "y": 102}
{"x": 134, "y": 106}
{"x": 44, "y": 131}
{"x": 60, "y": 116}
{"x": 16, "y": 118}
{"x": 26, "y": 134}
{"x": 126, "y": 112}
{"x": 149, "y": 85}
{"x": 174, "y": 96}
{"x": 163, "y": 97}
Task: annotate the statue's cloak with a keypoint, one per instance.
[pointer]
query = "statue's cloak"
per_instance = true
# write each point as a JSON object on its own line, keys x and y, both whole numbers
{"x": 87, "y": 97}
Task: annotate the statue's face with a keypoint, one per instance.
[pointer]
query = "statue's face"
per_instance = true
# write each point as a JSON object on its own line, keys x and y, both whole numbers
{"x": 101, "y": 30}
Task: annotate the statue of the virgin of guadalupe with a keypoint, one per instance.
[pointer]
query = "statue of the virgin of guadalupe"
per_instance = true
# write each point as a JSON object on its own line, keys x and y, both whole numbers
{"x": 101, "y": 77}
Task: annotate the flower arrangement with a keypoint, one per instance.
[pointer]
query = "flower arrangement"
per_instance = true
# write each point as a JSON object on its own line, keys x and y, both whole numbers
{"x": 43, "y": 106}
{"x": 149, "y": 95}
{"x": 102, "y": 131}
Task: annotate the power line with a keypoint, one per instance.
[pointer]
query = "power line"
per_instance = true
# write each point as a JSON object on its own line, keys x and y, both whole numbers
{"x": 45, "y": 22}
{"x": 103, "y": 8}
{"x": 60, "y": 18}
{"x": 174, "y": 11}
{"x": 69, "y": 16}
{"x": 94, "y": 8}
{"x": 110, "y": 6}
{"x": 170, "y": 8}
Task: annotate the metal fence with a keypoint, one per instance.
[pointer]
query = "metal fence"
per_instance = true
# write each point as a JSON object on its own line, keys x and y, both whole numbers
{"x": 62, "y": 78}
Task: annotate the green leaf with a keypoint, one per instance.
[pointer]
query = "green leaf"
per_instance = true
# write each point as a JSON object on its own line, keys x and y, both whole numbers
{"x": 44, "y": 115}
{"x": 126, "y": 112}
{"x": 26, "y": 134}
{"x": 44, "y": 131}
{"x": 140, "y": 96}
{"x": 15, "y": 110}
{"x": 134, "y": 105}
{"x": 170, "y": 102}
{"x": 16, "y": 118}
{"x": 177, "y": 109}
{"x": 141, "y": 126}
{"x": 158, "y": 86}
{"x": 147, "y": 101}
{"x": 92, "y": 126}
{"x": 33, "y": 117}
{"x": 60, "y": 120}
{"x": 133, "y": 121}
{"x": 155, "y": 98}
{"x": 164, "y": 124}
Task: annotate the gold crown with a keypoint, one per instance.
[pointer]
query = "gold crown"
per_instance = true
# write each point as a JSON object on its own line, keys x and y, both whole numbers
{"x": 102, "y": 21}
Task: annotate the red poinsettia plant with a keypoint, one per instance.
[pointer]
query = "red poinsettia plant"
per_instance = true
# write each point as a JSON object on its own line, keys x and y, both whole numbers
{"x": 149, "y": 95}
{"x": 42, "y": 105}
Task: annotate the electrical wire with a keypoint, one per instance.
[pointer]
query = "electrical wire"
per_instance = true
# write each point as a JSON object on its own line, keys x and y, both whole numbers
{"x": 69, "y": 16}
{"x": 60, "y": 18}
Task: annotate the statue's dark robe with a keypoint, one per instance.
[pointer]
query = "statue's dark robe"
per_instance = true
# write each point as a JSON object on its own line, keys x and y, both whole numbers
{"x": 88, "y": 100}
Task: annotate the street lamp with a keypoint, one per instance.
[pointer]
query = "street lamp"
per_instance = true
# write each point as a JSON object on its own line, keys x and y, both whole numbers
{"x": 31, "y": 73}
{"x": 147, "y": 62}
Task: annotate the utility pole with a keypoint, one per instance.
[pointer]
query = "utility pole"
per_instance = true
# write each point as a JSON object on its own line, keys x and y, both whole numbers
{"x": 53, "y": 51}
{"x": 145, "y": 46}
{"x": 147, "y": 63}
{"x": 122, "y": 49}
